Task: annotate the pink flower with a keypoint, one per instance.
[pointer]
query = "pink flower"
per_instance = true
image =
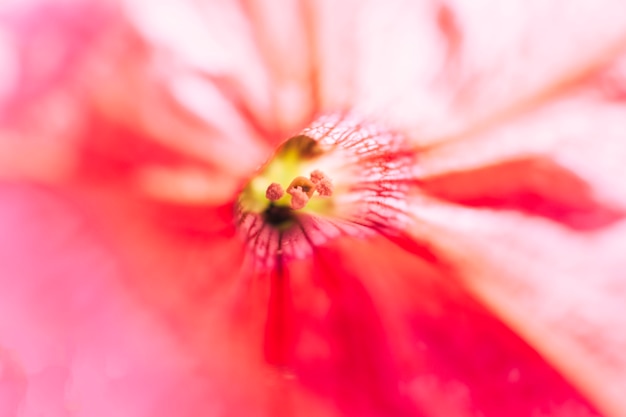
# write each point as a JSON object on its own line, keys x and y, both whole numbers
{"x": 459, "y": 252}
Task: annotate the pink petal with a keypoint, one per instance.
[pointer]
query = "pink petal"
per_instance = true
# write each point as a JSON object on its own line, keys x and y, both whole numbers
{"x": 440, "y": 70}
{"x": 530, "y": 61}
{"x": 79, "y": 344}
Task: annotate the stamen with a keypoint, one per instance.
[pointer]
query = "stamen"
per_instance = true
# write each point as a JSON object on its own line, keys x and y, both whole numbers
{"x": 325, "y": 188}
{"x": 274, "y": 192}
{"x": 323, "y": 185}
{"x": 372, "y": 171}
{"x": 305, "y": 184}
{"x": 299, "y": 197}
{"x": 317, "y": 176}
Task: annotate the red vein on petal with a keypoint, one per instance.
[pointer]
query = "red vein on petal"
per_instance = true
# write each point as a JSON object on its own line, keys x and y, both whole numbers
{"x": 279, "y": 311}
{"x": 315, "y": 55}
{"x": 449, "y": 27}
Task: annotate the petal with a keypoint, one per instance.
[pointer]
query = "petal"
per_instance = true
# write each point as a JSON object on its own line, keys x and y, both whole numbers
{"x": 244, "y": 63}
{"x": 370, "y": 54}
{"x": 529, "y": 62}
{"x": 72, "y": 340}
{"x": 106, "y": 72}
{"x": 580, "y": 133}
{"x": 106, "y": 316}
{"x": 436, "y": 70}
{"x": 532, "y": 185}
{"x": 568, "y": 279}
{"x": 199, "y": 285}
{"x": 284, "y": 34}
{"x": 40, "y": 114}
{"x": 383, "y": 332}
{"x": 560, "y": 289}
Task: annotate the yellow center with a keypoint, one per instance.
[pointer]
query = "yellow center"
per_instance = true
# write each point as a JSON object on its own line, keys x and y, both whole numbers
{"x": 291, "y": 167}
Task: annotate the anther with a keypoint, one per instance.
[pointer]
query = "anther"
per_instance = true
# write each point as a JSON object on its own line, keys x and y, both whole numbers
{"x": 325, "y": 188}
{"x": 307, "y": 186}
{"x": 317, "y": 176}
{"x": 274, "y": 192}
{"x": 299, "y": 197}
{"x": 323, "y": 185}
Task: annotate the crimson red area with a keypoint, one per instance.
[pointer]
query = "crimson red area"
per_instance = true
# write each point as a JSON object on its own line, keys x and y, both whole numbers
{"x": 385, "y": 333}
{"x": 535, "y": 186}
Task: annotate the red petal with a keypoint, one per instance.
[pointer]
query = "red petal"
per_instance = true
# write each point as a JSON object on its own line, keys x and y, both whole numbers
{"x": 534, "y": 185}
{"x": 382, "y": 332}
{"x": 324, "y": 329}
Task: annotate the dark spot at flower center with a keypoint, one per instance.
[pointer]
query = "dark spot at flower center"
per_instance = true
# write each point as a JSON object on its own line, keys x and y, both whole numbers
{"x": 279, "y": 216}
{"x": 305, "y": 146}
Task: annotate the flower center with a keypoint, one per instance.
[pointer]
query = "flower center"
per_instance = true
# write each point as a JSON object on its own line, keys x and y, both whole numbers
{"x": 281, "y": 187}
{"x": 340, "y": 176}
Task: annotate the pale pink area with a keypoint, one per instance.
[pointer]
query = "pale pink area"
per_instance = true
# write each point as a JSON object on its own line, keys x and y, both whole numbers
{"x": 81, "y": 344}
{"x": 455, "y": 74}
{"x": 40, "y": 116}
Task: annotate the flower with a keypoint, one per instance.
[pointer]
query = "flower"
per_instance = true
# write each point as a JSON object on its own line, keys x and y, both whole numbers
{"x": 489, "y": 283}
